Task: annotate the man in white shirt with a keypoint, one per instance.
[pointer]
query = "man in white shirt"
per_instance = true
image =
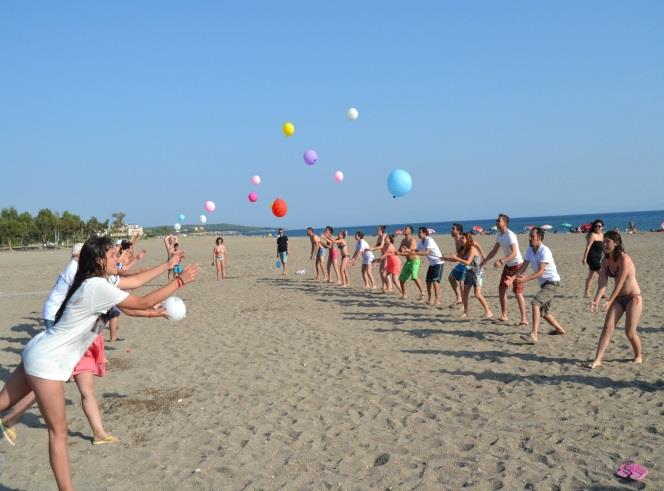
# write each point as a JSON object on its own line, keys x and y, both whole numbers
{"x": 428, "y": 247}
{"x": 511, "y": 264}
{"x": 540, "y": 258}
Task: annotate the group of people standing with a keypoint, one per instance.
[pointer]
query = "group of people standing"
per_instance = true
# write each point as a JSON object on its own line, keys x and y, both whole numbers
{"x": 604, "y": 255}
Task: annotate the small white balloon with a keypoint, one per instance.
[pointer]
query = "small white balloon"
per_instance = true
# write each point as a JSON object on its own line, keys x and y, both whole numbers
{"x": 176, "y": 227}
{"x": 203, "y": 219}
{"x": 352, "y": 114}
{"x": 176, "y": 308}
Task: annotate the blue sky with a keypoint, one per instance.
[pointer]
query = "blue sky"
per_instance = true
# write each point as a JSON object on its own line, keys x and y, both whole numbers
{"x": 531, "y": 108}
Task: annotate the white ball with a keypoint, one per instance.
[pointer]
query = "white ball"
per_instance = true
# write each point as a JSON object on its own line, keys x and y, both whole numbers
{"x": 352, "y": 114}
{"x": 176, "y": 227}
{"x": 203, "y": 219}
{"x": 176, "y": 308}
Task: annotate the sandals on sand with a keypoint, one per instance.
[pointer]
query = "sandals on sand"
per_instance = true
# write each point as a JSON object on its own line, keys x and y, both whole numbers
{"x": 8, "y": 433}
{"x": 108, "y": 439}
{"x": 632, "y": 470}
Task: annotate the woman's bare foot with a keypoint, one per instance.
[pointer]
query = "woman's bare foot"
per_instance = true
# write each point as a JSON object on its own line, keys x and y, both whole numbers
{"x": 464, "y": 315}
{"x": 488, "y": 315}
{"x": 455, "y": 304}
{"x": 595, "y": 364}
{"x": 638, "y": 359}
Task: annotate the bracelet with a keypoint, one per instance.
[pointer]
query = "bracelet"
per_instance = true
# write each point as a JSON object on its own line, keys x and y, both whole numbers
{"x": 180, "y": 281}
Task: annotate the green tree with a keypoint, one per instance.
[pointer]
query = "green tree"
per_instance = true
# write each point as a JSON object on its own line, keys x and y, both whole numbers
{"x": 119, "y": 219}
{"x": 46, "y": 224}
{"x": 94, "y": 227}
{"x": 10, "y": 226}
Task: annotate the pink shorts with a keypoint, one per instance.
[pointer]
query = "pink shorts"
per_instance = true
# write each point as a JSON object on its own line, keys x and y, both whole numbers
{"x": 94, "y": 359}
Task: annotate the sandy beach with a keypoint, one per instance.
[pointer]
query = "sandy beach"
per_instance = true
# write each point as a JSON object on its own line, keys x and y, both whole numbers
{"x": 278, "y": 382}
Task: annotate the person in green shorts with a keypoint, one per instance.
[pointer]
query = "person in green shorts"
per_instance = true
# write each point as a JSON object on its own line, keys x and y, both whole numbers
{"x": 411, "y": 269}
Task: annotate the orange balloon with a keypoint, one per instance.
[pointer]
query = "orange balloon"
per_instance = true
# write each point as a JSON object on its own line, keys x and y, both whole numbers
{"x": 279, "y": 208}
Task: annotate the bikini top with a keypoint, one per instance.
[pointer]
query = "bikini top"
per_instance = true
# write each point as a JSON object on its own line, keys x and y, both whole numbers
{"x": 611, "y": 273}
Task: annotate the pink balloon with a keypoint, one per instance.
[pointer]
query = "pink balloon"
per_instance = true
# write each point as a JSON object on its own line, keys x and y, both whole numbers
{"x": 338, "y": 176}
{"x": 253, "y": 197}
{"x": 210, "y": 206}
{"x": 256, "y": 180}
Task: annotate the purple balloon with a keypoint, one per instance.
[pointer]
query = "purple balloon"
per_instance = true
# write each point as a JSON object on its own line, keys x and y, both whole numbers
{"x": 310, "y": 157}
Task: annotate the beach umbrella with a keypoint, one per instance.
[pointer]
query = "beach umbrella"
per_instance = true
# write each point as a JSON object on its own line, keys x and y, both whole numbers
{"x": 431, "y": 231}
{"x": 568, "y": 225}
{"x": 546, "y": 227}
{"x": 662, "y": 225}
{"x": 478, "y": 228}
{"x": 398, "y": 232}
{"x": 528, "y": 228}
{"x": 585, "y": 227}
{"x": 494, "y": 227}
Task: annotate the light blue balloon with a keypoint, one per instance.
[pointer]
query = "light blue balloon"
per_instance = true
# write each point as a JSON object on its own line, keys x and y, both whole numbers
{"x": 181, "y": 217}
{"x": 277, "y": 264}
{"x": 399, "y": 183}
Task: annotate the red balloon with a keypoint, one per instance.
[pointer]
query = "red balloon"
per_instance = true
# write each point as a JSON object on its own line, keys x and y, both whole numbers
{"x": 279, "y": 208}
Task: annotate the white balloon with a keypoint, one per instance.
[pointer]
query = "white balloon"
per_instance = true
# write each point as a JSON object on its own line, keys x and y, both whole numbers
{"x": 203, "y": 219}
{"x": 352, "y": 114}
{"x": 176, "y": 308}
{"x": 176, "y": 227}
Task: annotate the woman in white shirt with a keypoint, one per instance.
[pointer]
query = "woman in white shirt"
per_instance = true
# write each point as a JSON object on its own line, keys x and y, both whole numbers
{"x": 50, "y": 357}
{"x": 362, "y": 247}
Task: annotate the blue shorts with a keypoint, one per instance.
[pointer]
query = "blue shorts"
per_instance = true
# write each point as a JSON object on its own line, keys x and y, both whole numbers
{"x": 177, "y": 269}
{"x": 459, "y": 272}
{"x": 321, "y": 252}
{"x": 283, "y": 257}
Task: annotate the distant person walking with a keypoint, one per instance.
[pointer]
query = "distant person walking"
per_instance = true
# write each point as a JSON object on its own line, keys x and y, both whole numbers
{"x": 282, "y": 250}
{"x": 625, "y": 298}
{"x": 592, "y": 255}
{"x": 511, "y": 264}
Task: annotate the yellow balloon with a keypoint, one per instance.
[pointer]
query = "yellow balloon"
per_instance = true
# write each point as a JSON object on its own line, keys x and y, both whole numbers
{"x": 289, "y": 128}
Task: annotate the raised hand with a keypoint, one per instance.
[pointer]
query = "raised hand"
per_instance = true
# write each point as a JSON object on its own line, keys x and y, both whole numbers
{"x": 190, "y": 273}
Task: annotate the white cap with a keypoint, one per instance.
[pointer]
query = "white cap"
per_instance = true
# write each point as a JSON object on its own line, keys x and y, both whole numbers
{"x": 76, "y": 250}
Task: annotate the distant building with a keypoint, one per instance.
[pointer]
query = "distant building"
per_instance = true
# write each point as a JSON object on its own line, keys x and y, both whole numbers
{"x": 126, "y": 231}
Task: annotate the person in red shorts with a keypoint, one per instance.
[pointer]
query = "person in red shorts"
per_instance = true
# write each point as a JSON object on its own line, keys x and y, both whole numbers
{"x": 511, "y": 263}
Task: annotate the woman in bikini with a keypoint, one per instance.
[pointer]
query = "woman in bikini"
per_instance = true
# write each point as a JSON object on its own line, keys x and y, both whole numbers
{"x": 625, "y": 298}
{"x": 392, "y": 264}
{"x": 592, "y": 255}
{"x": 328, "y": 242}
{"x": 342, "y": 245}
{"x": 220, "y": 258}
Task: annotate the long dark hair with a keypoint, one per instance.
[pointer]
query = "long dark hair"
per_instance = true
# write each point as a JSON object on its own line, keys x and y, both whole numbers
{"x": 615, "y": 237}
{"x": 594, "y": 226}
{"x": 91, "y": 264}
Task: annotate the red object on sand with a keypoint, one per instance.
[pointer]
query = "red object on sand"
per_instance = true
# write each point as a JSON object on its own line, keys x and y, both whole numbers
{"x": 478, "y": 229}
{"x": 279, "y": 208}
